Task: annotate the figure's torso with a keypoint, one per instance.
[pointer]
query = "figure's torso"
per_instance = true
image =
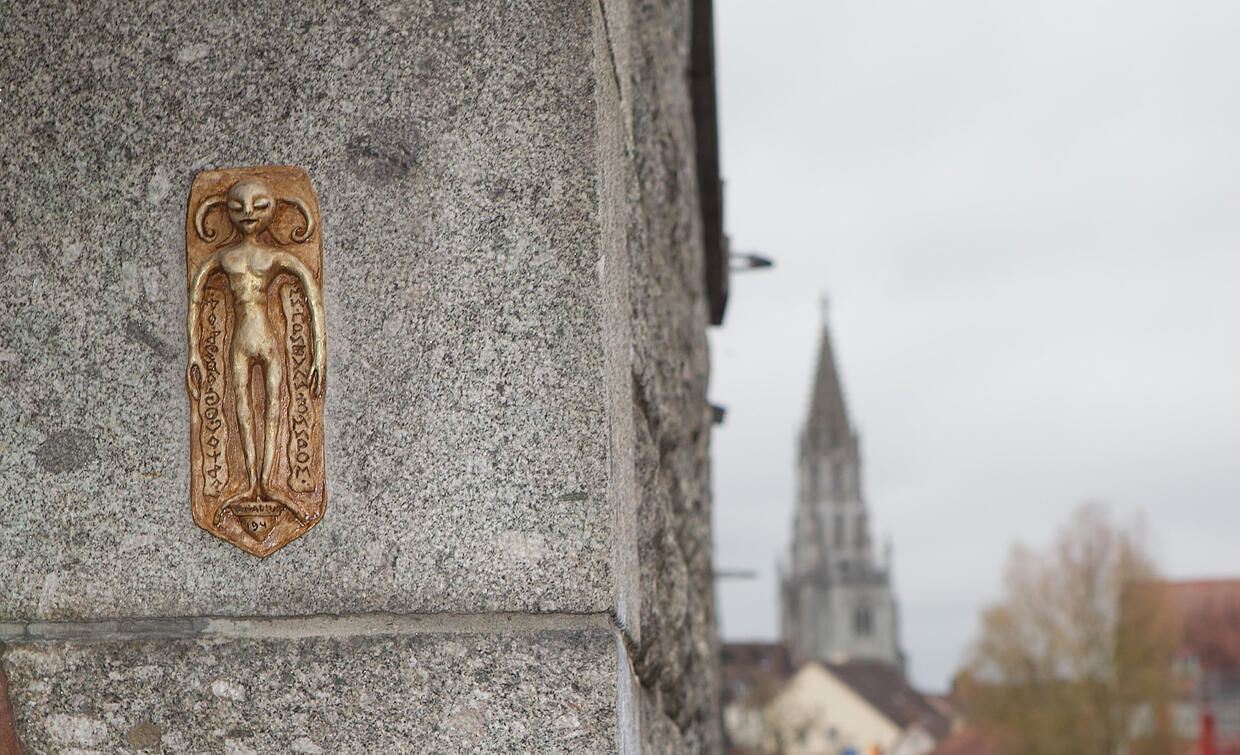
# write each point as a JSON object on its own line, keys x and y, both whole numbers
{"x": 249, "y": 268}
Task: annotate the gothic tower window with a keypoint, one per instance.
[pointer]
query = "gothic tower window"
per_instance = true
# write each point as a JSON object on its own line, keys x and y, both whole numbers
{"x": 839, "y": 530}
{"x": 863, "y": 621}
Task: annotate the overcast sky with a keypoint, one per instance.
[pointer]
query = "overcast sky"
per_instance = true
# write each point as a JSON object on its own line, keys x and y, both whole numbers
{"x": 1025, "y": 217}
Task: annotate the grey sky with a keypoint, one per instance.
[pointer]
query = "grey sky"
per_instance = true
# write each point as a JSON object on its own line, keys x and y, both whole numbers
{"x": 1025, "y": 217}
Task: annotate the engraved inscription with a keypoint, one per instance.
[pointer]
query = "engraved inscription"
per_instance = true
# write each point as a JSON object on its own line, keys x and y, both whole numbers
{"x": 301, "y": 408}
{"x": 214, "y": 434}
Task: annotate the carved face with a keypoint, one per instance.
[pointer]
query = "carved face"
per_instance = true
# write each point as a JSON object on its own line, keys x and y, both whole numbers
{"x": 251, "y": 205}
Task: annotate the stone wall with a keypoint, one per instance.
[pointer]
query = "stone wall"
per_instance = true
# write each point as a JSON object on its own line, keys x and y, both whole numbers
{"x": 678, "y": 660}
{"x": 516, "y": 551}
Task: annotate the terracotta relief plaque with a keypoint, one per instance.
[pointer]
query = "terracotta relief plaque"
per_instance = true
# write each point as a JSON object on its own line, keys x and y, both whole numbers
{"x": 257, "y": 355}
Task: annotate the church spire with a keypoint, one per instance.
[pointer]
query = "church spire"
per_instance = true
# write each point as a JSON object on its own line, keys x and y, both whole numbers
{"x": 827, "y": 425}
{"x": 836, "y": 599}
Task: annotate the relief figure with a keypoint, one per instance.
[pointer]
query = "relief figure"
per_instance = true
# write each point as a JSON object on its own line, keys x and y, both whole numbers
{"x": 250, "y": 260}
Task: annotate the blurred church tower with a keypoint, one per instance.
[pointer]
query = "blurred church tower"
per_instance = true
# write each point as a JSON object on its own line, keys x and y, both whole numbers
{"x": 835, "y": 598}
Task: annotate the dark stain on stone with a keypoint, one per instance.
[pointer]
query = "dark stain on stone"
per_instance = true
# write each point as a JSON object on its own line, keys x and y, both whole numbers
{"x": 143, "y": 735}
{"x": 45, "y": 131}
{"x": 138, "y": 332}
{"x": 502, "y": 189}
{"x": 382, "y": 158}
{"x": 66, "y": 451}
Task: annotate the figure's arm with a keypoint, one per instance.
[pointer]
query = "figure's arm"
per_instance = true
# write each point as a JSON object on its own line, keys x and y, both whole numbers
{"x": 196, "y": 288}
{"x": 311, "y": 287}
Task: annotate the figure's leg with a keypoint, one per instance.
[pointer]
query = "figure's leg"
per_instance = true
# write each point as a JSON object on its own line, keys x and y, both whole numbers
{"x": 273, "y": 372}
{"x": 245, "y": 424}
{"x": 245, "y": 415}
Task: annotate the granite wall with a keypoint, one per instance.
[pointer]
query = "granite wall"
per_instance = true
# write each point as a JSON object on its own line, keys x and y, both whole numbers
{"x": 677, "y": 661}
{"x": 516, "y": 551}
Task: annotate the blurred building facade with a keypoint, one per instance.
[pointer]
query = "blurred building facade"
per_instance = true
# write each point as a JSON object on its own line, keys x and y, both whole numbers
{"x": 835, "y": 597}
{"x": 856, "y": 707}
{"x": 753, "y": 674}
{"x": 1206, "y": 712}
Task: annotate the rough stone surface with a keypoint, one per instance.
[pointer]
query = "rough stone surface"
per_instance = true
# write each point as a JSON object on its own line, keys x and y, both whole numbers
{"x": 453, "y": 150}
{"x": 553, "y": 691}
{"x": 677, "y": 660}
{"x": 659, "y": 733}
{"x": 616, "y": 199}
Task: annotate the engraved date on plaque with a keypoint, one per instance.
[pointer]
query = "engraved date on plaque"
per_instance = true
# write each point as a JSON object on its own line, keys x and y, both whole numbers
{"x": 257, "y": 356}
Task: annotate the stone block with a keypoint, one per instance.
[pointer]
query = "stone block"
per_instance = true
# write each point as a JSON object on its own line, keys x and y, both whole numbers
{"x": 545, "y": 691}
{"x": 454, "y": 149}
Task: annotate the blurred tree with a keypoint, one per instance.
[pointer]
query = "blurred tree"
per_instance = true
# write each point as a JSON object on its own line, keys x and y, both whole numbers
{"x": 1077, "y": 657}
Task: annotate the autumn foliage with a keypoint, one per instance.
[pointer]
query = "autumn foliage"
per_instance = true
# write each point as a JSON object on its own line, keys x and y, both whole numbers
{"x": 1077, "y": 656}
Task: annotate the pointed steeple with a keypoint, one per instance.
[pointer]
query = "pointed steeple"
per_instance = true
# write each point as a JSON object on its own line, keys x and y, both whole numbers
{"x": 827, "y": 425}
{"x": 835, "y": 598}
